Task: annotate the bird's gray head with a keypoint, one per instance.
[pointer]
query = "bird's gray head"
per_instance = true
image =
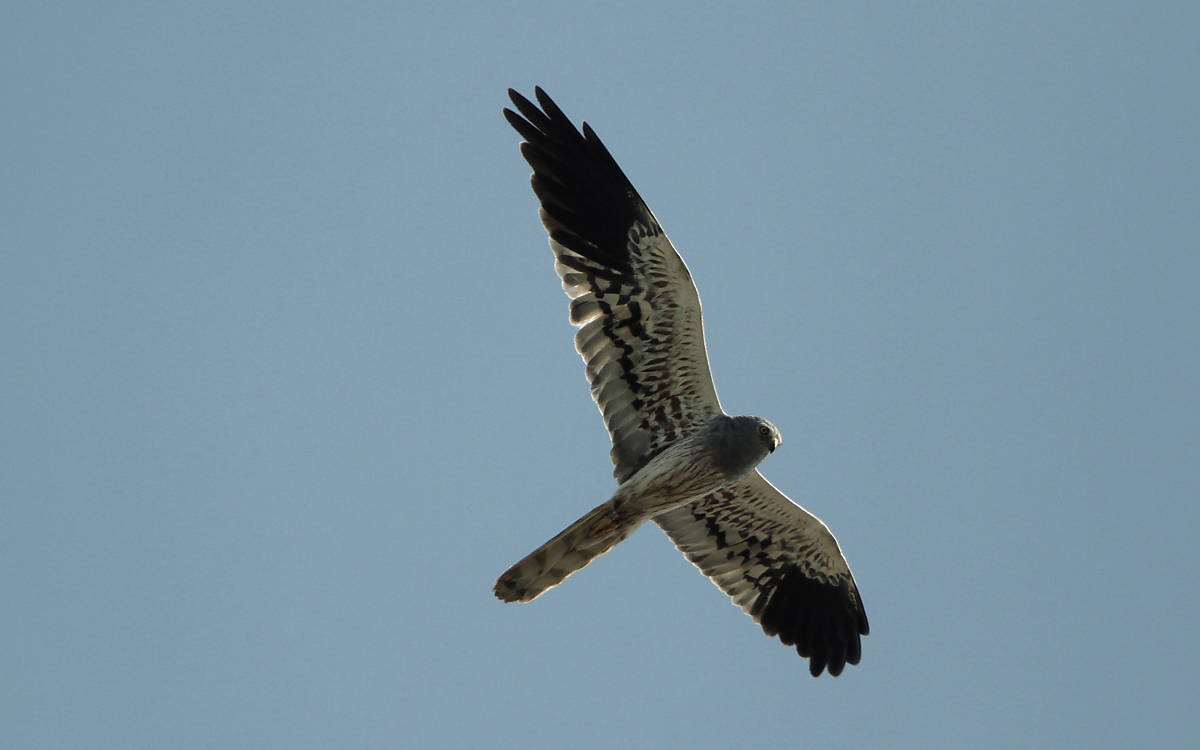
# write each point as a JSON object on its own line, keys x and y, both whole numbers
{"x": 738, "y": 444}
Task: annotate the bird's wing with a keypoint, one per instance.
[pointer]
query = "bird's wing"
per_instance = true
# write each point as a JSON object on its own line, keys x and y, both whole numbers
{"x": 779, "y": 563}
{"x": 640, "y": 333}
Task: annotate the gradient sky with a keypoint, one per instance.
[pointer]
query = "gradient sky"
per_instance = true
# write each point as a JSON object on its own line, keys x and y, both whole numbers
{"x": 286, "y": 378}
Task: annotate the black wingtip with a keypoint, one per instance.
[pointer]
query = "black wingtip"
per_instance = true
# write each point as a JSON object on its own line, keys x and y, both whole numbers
{"x": 525, "y": 129}
{"x": 591, "y": 204}
{"x": 518, "y": 99}
{"x": 548, "y": 105}
{"x": 823, "y": 621}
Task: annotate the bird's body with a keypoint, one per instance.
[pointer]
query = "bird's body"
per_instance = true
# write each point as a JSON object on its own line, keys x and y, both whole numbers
{"x": 678, "y": 458}
{"x": 704, "y": 461}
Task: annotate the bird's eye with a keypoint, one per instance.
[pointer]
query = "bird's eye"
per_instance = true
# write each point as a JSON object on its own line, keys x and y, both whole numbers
{"x": 763, "y": 430}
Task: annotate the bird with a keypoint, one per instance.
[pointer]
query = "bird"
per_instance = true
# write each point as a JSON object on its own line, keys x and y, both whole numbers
{"x": 679, "y": 459}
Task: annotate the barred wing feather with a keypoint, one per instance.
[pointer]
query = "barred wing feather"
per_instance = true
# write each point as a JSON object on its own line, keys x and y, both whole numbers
{"x": 640, "y": 334}
{"x": 779, "y": 563}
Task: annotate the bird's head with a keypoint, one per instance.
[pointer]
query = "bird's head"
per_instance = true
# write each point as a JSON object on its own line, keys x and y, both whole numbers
{"x": 738, "y": 444}
{"x": 768, "y": 434}
{"x": 757, "y": 431}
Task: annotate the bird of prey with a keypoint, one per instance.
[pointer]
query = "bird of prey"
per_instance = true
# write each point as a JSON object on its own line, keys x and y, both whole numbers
{"x": 680, "y": 459}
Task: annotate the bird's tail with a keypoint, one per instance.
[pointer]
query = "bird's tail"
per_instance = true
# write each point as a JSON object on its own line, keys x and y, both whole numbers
{"x": 576, "y": 546}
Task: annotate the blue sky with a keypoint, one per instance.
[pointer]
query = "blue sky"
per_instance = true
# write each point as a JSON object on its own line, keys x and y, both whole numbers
{"x": 287, "y": 378}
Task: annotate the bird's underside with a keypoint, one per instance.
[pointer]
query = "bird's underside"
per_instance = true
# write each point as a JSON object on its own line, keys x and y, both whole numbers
{"x": 642, "y": 341}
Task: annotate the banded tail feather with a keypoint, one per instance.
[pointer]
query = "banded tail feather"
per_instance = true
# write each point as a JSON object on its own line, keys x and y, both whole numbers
{"x": 575, "y": 546}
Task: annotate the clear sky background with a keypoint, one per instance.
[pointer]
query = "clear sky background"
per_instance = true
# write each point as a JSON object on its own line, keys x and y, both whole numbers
{"x": 286, "y": 378}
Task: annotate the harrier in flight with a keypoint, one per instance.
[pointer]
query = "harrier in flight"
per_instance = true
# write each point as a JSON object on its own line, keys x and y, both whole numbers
{"x": 680, "y": 460}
